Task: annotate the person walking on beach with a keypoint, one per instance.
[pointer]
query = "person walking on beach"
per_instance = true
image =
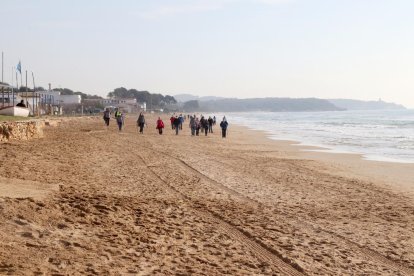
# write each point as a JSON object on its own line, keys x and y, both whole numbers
{"x": 119, "y": 116}
{"x": 172, "y": 121}
{"x": 181, "y": 118}
{"x": 107, "y": 116}
{"x": 224, "y": 124}
{"x": 204, "y": 125}
{"x": 197, "y": 126}
{"x": 160, "y": 125}
{"x": 192, "y": 125}
{"x": 214, "y": 120}
{"x": 210, "y": 124}
{"x": 141, "y": 123}
{"x": 176, "y": 123}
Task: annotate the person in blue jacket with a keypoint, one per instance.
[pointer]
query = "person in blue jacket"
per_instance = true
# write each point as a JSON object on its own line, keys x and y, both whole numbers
{"x": 224, "y": 124}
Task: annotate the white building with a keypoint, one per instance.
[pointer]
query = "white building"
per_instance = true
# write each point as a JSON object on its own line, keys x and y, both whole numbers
{"x": 128, "y": 105}
{"x": 59, "y": 99}
{"x": 119, "y": 101}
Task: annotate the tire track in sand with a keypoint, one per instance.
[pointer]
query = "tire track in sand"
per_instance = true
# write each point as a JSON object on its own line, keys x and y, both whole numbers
{"x": 369, "y": 254}
{"x": 258, "y": 248}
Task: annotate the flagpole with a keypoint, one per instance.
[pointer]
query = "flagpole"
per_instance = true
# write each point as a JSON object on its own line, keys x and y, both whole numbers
{"x": 12, "y": 84}
{"x": 34, "y": 93}
{"x": 2, "y": 65}
{"x": 27, "y": 103}
{"x": 2, "y": 88}
{"x": 21, "y": 77}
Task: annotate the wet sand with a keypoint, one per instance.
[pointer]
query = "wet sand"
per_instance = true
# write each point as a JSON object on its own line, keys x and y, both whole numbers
{"x": 89, "y": 200}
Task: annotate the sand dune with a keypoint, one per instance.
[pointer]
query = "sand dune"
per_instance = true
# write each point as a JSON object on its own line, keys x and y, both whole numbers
{"x": 89, "y": 200}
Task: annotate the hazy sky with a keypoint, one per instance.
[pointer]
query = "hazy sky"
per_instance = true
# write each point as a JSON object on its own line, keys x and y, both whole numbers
{"x": 362, "y": 49}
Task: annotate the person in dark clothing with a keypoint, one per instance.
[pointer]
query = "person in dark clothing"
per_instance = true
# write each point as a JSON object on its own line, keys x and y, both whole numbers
{"x": 21, "y": 104}
{"x": 193, "y": 125}
{"x": 176, "y": 123}
{"x": 197, "y": 126}
{"x": 224, "y": 124}
{"x": 204, "y": 124}
{"x": 181, "y": 118}
{"x": 107, "y": 116}
{"x": 210, "y": 124}
{"x": 141, "y": 123}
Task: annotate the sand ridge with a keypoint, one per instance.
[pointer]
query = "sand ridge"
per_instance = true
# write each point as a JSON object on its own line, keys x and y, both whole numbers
{"x": 177, "y": 205}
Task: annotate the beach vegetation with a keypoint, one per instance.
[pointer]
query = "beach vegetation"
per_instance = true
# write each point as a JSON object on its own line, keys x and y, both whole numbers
{"x": 5, "y": 118}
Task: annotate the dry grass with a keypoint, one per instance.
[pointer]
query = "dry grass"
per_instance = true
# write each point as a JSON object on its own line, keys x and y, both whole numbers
{"x": 4, "y": 118}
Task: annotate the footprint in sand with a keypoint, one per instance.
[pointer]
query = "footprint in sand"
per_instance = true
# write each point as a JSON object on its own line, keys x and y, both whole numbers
{"x": 27, "y": 235}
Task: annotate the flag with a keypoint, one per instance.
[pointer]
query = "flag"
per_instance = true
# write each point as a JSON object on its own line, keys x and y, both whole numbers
{"x": 19, "y": 67}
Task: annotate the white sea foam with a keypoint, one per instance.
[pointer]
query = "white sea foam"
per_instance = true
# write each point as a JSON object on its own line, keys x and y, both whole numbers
{"x": 383, "y": 135}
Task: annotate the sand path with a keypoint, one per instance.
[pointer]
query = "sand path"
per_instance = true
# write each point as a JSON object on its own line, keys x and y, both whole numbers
{"x": 91, "y": 200}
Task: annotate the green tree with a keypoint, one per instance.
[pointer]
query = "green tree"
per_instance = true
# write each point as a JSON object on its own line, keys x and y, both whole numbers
{"x": 152, "y": 100}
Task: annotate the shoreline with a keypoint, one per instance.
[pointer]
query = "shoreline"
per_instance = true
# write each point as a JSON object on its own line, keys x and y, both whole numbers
{"x": 330, "y": 149}
{"x": 398, "y": 175}
{"x": 377, "y": 136}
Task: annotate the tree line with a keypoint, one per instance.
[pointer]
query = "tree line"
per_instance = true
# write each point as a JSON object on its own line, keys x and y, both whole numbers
{"x": 152, "y": 100}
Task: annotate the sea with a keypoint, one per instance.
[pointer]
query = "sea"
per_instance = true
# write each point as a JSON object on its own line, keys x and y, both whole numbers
{"x": 381, "y": 135}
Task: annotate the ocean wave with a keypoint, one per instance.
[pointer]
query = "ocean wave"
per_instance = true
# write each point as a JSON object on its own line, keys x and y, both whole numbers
{"x": 385, "y": 134}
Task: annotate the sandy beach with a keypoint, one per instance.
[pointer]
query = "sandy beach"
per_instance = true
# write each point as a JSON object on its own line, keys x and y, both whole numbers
{"x": 89, "y": 200}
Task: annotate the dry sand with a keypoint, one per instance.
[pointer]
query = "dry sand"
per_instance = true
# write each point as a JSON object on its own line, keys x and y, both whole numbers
{"x": 87, "y": 200}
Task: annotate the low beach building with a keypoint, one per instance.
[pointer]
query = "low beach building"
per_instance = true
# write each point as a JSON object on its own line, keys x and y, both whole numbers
{"x": 59, "y": 99}
{"x": 127, "y": 105}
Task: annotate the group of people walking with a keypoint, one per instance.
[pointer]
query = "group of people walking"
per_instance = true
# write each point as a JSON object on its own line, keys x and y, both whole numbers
{"x": 206, "y": 125}
{"x": 118, "y": 115}
{"x": 195, "y": 124}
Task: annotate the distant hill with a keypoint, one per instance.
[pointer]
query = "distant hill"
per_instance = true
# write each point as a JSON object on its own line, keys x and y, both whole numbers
{"x": 364, "y": 105}
{"x": 267, "y": 104}
{"x": 188, "y": 97}
{"x": 211, "y": 103}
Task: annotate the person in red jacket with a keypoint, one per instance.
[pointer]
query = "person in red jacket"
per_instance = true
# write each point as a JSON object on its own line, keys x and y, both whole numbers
{"x": 172, "y": 121}
{"x": 160, "y": 125}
